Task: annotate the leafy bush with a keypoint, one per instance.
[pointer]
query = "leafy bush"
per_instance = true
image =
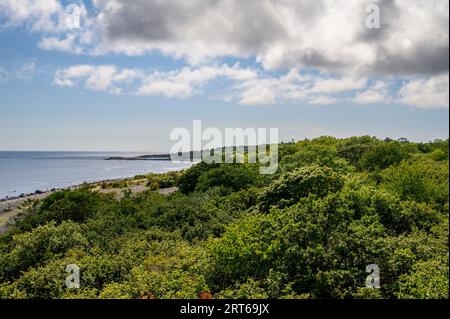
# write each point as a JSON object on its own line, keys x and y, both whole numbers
{"x": 354, "y": 148}
{"x": 166, "y": 180}
{"x": 292, "y": 186}
{"x": 310, "y": 154}
{"x": 308, "y": 231}
{"x": 429, "y": 280}
{"x": 421, "y": 180}
{"x": 305, "y": 242}
{"x": 230, "y": 177}
{"x": 39, "y": 245}
{"x": 383, "y": 155}
{"x": 188, "y": 181}
{"x": 77, "y": 206}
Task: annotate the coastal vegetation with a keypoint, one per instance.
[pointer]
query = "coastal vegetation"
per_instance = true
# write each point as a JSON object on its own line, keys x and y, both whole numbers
{"x": 309, "y": 231}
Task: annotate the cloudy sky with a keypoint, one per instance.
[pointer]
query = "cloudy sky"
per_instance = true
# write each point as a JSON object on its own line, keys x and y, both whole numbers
{"x": 125, "y": 73}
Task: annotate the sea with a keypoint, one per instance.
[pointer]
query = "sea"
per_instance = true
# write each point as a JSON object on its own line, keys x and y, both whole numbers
{"x": 28, "y": 172}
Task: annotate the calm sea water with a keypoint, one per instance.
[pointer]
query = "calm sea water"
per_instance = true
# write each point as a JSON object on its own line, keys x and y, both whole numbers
{"x": 26, "y": 172}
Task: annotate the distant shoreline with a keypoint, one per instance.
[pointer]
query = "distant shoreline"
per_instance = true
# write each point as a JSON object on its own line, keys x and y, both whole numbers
{"x": 28, "y": 175}
{"x": 11, "y": 206}
{"x": 42, "y": 192}
{"x": 25, "y": 196}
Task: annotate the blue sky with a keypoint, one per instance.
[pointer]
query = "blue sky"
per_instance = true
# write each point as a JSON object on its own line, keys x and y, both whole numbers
{"x": 104, "y": 87}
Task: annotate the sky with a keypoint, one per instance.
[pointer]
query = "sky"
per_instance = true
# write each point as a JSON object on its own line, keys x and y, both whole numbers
{"x": 121, "y": 75}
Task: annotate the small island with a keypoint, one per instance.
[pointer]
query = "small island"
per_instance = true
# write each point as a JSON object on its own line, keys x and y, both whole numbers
{"x": 154, "y": 157}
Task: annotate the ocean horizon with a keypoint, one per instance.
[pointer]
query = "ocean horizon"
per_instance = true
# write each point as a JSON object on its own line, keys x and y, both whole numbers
{"x": 25, "y": 172}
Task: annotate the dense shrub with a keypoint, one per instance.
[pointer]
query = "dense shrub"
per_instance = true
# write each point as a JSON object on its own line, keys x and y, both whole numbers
{"x": 292, "y": 186}
{"x": 230, "y": 177}
{"x": 308, "y": 231}
{"x": 188, "y": 181}
{"x": 421, "y": 180}
{"x": 39, "y": 245}
{"x": 353, "y": 149}
{"x": 166, "y": 180}
{"x": 310, "y": 154}
{"x": 75, "y": 205}
{"x": 383, "y": 155}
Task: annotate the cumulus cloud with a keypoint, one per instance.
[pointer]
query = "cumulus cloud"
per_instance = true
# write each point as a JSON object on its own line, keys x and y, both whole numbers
{"x": 258, "y": 96}
{"x": 426, "y": 93}
{"x": 67, "y": 44}
{"x": 330, "y": 35}
{"x": 316, "y": 52}
{"x": 377, "y": 93}
{"x": 98, "y": 78}
{"x": 194, "y": 29}
{"x": 327, "y": 34}
{"x": 266, "y": 89}
{"x": 65, "y": 27}
{"x": 181, "y": 83}
{"x": 297, "y": 87}
{"x": 249, "y": 86}
{"x": 335, "y": 85}
{"x": 39, "y": 15}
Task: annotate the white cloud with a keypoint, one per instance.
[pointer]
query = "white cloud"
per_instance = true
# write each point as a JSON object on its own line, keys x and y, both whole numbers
{"x": 166, "y": 88}
{"x": 97, "y": 78}
{"x": 336, "y": 85}
{"x": 322, "y": 100}
{"x": 326, "y": 38}
{"x": 39, "y": 15}
{"x": 266, "y": 89}
{"x": 67, "y": 44}
{"x": 180, "y": 83}
{"x": 295, "y": 87}
{"x": 184, "y": 82}
{"x": 258, "y": 96}
{"x": 51, "y": 18}
{"x": 63, "y": 82}
{"x": 378, "y": 93}
{"x": 426, "y": 93}
{"x": 327, "y": 34}
{"x": 248, "y": 86}
{"x": 369, "y": 97}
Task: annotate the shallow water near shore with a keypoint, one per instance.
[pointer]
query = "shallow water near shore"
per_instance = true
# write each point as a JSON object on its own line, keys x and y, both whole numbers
{"x": 26, "y": 172}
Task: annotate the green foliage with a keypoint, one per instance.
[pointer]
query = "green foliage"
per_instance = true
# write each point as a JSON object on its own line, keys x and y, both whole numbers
{"x": 76, "y": 206}
{"x": 230, "y": 177}
{"x": 315, "y": 244}
{"x": 172, "y": 269}
{"x": 354, "y": 148}
{"x": 322, "y": 155}
{"x": 292, "y": 186}
{"x": 383, "y": 155}
{"x": 250, "y": 289}
{"x": 308, "y": 231}
{"x": 39, "y": 245}
{"x": 188, "y": 181}
{"x": 428, "y": 280}
{"x": 420, "y": 179}
{"x": 156, "y": 181}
